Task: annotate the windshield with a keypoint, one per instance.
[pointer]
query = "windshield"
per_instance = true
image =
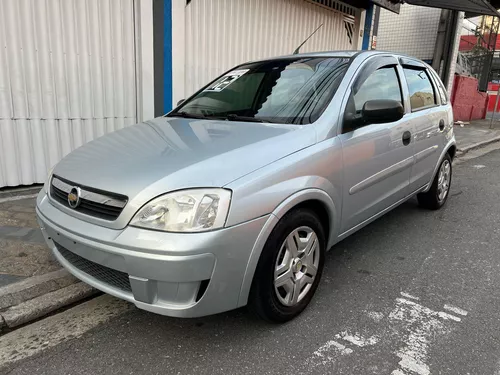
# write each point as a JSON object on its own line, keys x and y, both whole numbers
{"x": 287, "y": 91}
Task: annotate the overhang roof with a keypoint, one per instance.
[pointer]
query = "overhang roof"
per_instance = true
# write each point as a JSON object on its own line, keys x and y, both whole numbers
{"x": 470, "y": 7}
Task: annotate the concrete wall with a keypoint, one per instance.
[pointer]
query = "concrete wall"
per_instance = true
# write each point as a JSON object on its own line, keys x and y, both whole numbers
{"x": 468, "y": 103}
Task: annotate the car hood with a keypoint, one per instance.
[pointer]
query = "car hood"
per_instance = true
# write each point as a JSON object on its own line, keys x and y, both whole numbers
{"x": 167, "y": 154}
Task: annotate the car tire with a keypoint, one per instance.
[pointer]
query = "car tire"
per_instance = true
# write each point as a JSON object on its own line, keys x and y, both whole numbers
{"x": 294, "y": 251}
{"x": 438, "y": 194}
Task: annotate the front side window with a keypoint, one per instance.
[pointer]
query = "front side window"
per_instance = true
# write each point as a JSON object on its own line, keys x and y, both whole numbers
{"x": 421, "y": 91}
{"x": 287, "y": 91}
{"x": 381, "y": 84}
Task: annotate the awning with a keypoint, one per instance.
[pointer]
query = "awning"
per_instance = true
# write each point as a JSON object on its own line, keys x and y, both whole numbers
{"x": 392, "y": 5}
{"x": 475, "y": 7}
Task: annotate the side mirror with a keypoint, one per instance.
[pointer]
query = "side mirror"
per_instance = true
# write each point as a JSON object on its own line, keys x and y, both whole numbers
{"x": 180, "y": 102}
{"x": 382, "y": 111}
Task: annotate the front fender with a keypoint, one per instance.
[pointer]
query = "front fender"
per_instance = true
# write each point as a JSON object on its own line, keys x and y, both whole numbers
{"x": 277, "y": 214}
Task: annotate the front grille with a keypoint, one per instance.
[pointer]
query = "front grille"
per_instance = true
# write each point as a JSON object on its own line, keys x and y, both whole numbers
{"x": 114, "y": 278}
{"x": 103, "y": 205}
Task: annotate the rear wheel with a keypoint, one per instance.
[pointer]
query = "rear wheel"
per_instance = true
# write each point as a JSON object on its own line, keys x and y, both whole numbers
{"x": 437, "y": 195}
{"x": 290, "y": 267}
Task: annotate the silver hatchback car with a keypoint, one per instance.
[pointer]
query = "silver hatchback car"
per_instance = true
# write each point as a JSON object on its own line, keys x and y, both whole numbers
{"x": 234, "y": 197}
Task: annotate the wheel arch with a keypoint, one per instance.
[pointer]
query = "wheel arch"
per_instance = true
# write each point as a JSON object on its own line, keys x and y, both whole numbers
{"x": 316, "y": 199}
{"x": 450, "y": 149}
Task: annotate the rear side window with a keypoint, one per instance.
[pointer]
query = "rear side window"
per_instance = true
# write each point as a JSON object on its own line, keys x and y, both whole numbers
{"x": 442, "y": 91}
{"x": 421, "y": 91}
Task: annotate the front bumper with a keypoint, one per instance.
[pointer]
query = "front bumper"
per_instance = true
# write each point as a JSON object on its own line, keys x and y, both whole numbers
{"x": 174, "y": 274}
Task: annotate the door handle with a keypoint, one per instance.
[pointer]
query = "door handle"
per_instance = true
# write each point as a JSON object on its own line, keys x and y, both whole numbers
{"x": 406, "y": 138}
{"x": 441, "y": 125}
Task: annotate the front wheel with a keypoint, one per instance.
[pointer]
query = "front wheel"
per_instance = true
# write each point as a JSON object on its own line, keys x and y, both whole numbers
{"x": 290, "y": 267}
{"x": 437, "y": 195}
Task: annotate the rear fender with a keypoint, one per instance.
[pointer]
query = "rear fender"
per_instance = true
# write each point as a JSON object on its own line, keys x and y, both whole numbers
{"x": 451, "y": 143}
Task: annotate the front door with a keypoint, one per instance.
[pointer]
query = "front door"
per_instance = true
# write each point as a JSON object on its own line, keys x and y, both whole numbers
{"x": 377, "y": 157}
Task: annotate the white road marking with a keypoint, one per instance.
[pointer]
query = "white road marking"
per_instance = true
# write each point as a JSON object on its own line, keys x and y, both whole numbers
{"x": 397, "y": 372}
{"x": 446, "y": 316}
{"x": 332, "y": 346}
{"x": 423, "y": 324}
{"x": 456, "y": 310}
{"x": 416, "y": 324}
{"x": 479, "y": 166}
{"x": 327, "y": 354}
{"x": 56, "y": 329}
{"x": 18, "y": 198}
{"x": 409, "y": 296}
{"x": 376, "y": 316}
{"x": 357, "y": 339}
{"x": 440, "y": 314}
{"x": 410, "y": 363}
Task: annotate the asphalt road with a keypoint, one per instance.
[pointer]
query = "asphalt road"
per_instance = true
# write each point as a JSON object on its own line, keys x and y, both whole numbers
{"x": 416, "y": 292}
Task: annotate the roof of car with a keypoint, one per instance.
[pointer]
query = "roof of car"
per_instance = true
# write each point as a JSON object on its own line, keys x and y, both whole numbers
{"x": 347, "y": 53}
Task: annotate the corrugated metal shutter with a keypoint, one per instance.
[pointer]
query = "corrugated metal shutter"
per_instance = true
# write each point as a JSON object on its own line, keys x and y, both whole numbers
{"x": 67, "y": 76}
{"x": 223, "y": 33}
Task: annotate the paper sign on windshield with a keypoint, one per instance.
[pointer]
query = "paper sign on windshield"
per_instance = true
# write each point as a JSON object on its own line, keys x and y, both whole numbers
{"x": 226, "y": 80}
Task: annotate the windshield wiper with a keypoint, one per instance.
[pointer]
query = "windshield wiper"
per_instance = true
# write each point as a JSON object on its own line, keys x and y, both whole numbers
{"x": 229, "y": 117}
{"x": 234, "y": 117}
{"x": 186, "y": 115}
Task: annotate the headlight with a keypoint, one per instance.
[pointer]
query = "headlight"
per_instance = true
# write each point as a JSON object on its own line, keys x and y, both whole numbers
{"x": 46, "y": 185}
{"x": 196, "y": 210}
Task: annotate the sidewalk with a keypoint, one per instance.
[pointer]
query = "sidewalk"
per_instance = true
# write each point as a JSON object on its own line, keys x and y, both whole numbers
{"x": 476, "y": 134}
{"x": 23, "y": 252}
{"x": 32, "y": 283}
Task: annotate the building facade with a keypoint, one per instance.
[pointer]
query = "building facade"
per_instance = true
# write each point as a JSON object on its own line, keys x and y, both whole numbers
{"x": 73, "y": 70}
{"x": 415, "y": 32}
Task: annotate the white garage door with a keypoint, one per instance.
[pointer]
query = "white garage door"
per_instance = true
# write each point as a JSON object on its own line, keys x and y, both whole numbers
{"x": 67, "y": 76}
{"x": 223, "y": 33}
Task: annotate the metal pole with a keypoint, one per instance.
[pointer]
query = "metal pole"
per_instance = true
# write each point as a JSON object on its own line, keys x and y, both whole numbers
{"x": 495, "y": 109}
{"x": 440, "y": 41}
{"x": 490, "y": 75}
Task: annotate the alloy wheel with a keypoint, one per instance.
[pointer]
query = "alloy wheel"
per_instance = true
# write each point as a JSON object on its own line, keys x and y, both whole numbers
{"x": 296, "y": 266}
{"x": 444, "y": 178}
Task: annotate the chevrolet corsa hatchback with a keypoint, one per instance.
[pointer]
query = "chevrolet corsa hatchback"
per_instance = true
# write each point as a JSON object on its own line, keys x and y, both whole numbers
{"x": 234, "y": 197}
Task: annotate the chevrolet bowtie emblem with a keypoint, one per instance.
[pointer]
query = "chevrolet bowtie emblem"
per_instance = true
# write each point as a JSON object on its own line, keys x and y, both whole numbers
{"x": 74, "y": 197}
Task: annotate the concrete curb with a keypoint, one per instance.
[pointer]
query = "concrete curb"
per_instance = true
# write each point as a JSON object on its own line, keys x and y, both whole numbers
{"x": 45, "y": 304}
{"x": 17, "y": 192}
{"x": 22, "y": 291}
{"x": 462, "y": 151}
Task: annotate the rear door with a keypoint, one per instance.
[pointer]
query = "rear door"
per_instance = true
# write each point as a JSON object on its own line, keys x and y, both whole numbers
{"x": 377, "y": 157}
{"x": 429, "y": 119}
